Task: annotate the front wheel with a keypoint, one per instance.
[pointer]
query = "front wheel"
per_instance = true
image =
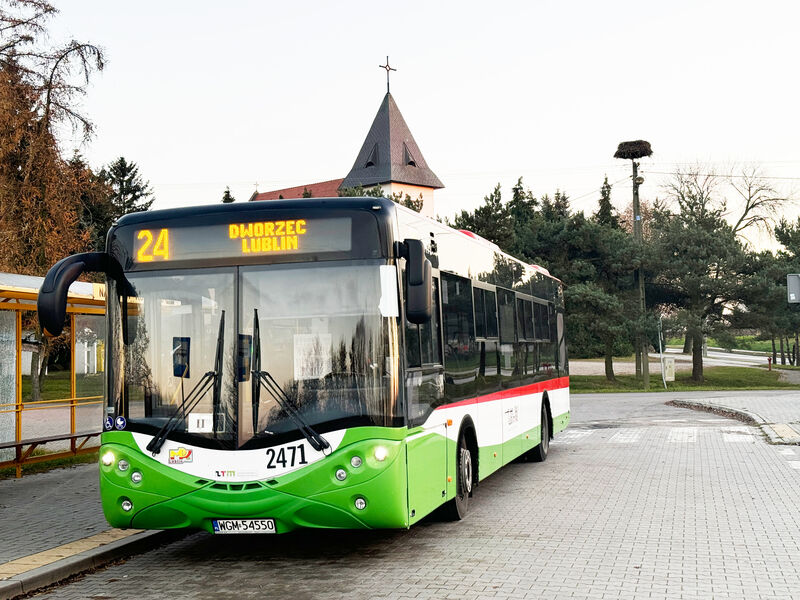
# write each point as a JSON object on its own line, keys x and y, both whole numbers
{"x": 456, "y": 509}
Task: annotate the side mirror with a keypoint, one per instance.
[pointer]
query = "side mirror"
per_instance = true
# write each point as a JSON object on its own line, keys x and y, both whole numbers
{"x": 418, "y": 282}
{"x": 52, "y": 302}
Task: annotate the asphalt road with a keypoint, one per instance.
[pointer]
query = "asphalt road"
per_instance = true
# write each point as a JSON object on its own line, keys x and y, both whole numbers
{"x": 637, "y": 500}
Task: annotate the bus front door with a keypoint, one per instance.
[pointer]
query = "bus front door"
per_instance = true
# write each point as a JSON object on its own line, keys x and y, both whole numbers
{"x": 426, "y": 446}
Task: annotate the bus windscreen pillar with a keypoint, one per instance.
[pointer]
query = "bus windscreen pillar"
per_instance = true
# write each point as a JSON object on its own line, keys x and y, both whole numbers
{"x": 793, "y": 287}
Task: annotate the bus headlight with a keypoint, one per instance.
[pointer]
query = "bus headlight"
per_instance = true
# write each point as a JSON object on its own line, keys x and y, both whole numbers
{"x": 360, "y": 503}
{"x": 381, "y": 453}
{"x": 355, "y": 462}
{"x": 123, "y": 465}
{"x": 341, "y": 474}
{"x": 136, "y": 477}
{"x": 126, "y": 505}
{"x": 108, "y": 458}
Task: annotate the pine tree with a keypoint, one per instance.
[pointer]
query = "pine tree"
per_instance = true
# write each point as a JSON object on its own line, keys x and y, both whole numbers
{"x": 130, "y": 192}
{"x": 227, "y": 197}
{"x": 606, "y": 214}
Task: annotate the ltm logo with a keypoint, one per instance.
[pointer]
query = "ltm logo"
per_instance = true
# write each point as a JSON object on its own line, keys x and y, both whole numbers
{"x": 225, "y": 473}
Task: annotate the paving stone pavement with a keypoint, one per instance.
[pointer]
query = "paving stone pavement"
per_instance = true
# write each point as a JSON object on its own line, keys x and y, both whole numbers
{"x": 39, "y": 512}
{"x": 637, "y": 500}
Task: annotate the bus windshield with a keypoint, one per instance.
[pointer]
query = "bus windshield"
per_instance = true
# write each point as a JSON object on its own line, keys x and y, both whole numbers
{"x": 324, "y": 340}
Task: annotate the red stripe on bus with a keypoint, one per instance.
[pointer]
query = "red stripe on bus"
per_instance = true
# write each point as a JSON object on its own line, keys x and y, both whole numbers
{"x": 534, "y": 388}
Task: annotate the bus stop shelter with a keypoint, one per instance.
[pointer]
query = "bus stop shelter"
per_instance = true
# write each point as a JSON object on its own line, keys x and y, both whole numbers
{"x": 51, "y": 391}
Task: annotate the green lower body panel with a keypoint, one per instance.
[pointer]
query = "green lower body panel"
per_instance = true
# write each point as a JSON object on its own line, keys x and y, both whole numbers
{"x": 312, "y": 497}
{"x": 560, "y": 422}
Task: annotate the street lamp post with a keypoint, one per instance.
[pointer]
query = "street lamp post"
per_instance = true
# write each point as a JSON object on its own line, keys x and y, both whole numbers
{"x": 633, "y": 151}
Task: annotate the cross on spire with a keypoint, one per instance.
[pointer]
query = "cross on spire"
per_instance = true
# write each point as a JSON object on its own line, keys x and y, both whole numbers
{"x": 388, "y": 68}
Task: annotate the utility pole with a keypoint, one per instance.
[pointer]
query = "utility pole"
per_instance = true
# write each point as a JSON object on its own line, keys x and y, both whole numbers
{"x": 639, "y": 273}
{"x": 633, "y": 151}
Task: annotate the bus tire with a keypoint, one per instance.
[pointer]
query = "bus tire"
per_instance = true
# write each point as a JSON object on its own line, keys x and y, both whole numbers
{"x": 456, "y": 509}
{"x": 539, "y": 453}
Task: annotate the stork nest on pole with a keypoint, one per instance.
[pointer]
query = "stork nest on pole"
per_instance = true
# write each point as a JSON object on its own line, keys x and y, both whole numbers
{"x": 633, "y": 150}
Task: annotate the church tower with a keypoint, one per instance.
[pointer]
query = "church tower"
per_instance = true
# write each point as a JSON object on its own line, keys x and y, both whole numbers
{"x": 391, "y": 158}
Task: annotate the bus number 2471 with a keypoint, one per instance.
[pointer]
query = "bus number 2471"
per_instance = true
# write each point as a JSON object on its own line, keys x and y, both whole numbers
{"x": 286, "y": 457}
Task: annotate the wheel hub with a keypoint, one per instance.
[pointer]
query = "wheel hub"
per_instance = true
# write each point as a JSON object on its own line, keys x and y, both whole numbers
{"x": 466, "y": 470}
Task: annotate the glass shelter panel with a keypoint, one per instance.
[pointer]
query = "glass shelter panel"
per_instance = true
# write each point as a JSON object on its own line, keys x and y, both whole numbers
{"x": 8, "y": 379}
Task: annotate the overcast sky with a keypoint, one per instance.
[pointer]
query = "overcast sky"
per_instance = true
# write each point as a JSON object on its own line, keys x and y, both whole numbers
{"x": 204, "y": 95}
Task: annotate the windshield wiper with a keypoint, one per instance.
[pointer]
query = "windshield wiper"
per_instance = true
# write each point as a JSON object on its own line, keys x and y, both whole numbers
{"x": 210, "y": 380}
{"x": 265, "y": 379}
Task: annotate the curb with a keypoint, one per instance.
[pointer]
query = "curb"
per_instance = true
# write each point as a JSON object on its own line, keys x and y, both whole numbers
{"x": 740, "y": 414}
{"x": 35, "y": 579}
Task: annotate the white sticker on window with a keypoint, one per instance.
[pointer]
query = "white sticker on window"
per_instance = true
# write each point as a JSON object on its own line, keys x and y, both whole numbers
{"x": 388, "y": 304}
{"x": 201, "y": 422}
{"x": 312, "y": 355}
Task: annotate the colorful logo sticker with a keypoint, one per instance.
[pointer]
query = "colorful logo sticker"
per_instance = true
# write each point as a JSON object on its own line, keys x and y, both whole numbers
{"x": 227, "y": 473}
{"x": 108, "y": 424}
{"x": 180, "y": 456}
{"x": 120, "y": 423}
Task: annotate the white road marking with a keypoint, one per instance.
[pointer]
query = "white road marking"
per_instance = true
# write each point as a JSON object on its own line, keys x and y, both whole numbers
{"x": 682, "y": 435}
{"x": 626, "y": 436}
{"x": 733, "y": 435}
{"x": 571, "y": 436}
{"x": 786, "y": 451}
{"x": 795, "y": 464}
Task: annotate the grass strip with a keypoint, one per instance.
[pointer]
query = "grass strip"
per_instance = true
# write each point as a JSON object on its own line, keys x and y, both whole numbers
{"x": 716, "y": 378}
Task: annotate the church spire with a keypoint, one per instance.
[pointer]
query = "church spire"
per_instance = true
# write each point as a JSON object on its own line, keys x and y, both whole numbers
{"x": 389, "y": 153}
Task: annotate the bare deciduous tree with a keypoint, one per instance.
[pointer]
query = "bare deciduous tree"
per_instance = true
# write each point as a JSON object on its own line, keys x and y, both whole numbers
{"x": 762, "y": 203}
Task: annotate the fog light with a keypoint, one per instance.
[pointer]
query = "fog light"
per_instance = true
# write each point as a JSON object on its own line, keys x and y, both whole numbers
{"x": 127, "y": 505}
{"x": 381, "y": 453}
{"x": 341, "y": 474}
{"x": 108, "y": 458}
{"x": 361, "y": 504}
{"x": 355, "y": 462}
{"x": 136, "y": 477}
{"x": 123, "y": 465}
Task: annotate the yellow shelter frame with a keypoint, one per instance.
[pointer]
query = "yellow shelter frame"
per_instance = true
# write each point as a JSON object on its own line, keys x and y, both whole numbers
{"x": 21, "y": 299}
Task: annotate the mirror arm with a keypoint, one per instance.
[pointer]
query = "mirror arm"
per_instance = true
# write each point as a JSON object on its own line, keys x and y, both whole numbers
{"x": 51, "y": 303}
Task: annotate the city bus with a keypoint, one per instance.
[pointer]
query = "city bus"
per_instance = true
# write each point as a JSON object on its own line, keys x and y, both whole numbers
{"x": 331, "y": 363}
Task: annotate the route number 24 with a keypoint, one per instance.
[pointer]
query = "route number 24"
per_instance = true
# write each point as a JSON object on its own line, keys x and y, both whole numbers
{"x": 149, "y": 251}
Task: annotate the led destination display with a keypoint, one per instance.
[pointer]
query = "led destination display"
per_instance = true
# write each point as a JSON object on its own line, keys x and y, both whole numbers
{"x": 231, "y": 240}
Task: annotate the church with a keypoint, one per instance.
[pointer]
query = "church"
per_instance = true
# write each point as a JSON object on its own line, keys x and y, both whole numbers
{"x": 389, "y": 157}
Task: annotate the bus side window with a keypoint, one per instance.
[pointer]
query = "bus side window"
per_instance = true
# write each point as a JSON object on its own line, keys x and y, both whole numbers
{"x": 461, "y": 357}
{"x": 480, "y": 313}
{"x": 524, "y": 319}
{"x": 430, "y": 332}
{"x": 486, "y": 332}
{"x": 490, "y": 301}
{"x": 509, "y": 370}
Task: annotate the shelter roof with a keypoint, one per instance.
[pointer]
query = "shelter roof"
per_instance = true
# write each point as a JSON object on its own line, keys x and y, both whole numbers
{"x": 21, "y": 291}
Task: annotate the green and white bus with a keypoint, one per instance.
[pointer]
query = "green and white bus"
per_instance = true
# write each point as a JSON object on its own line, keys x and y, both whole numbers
{"x": 337, "y": 363}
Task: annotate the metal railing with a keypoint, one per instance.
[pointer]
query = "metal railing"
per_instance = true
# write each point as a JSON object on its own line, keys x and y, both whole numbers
{"x": 52, "y": 427}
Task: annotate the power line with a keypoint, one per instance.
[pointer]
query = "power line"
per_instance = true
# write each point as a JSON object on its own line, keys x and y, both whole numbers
{"x": 728, "y": 176}
{"x": 596, "y": 190}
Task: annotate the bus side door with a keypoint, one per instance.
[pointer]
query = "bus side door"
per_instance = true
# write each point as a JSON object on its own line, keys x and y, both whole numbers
{"x": 426, "y": 446}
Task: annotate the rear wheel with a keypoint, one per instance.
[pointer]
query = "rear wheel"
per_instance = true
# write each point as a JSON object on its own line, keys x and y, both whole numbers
{"x": 456, "y": 509}
{"x": 539, "y": 454}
